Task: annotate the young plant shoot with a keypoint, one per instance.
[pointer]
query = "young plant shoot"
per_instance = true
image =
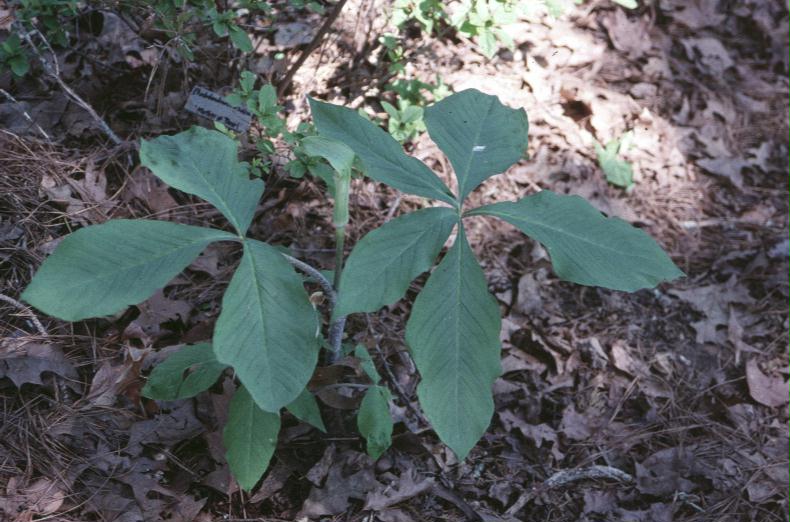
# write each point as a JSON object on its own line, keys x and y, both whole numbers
{"x": 267, "y": 331}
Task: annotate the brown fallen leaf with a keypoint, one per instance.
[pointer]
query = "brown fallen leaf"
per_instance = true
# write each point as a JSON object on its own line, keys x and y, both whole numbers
{"x": 407, "y": 486}
{"x": 110, "y": 380}
{"x": 714, "y": 301}
{"x": 709, "y": 53}
{"x": 626, "y": 35}
{"x": 665, "y": 471}
{"x": 574, "y": 425}
{"x": 149, "y": 190}
{"x": 350, "y": 477}
{"x": 40, "y": 498}
{"x": 24, "y": 363}
{"x": 155, "y": 311}
{"x": 768, "y": 390}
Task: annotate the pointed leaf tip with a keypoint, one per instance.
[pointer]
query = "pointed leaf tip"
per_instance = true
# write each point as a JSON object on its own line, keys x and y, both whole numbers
{"x": 481, "y": 136}
{"x": 585, "y": 246}
{"x": 205, "y": 163}
{"x": 382, "y": 156}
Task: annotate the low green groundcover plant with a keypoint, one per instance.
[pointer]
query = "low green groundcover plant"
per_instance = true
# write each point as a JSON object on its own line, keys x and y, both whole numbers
{"x": 268, "y": 331}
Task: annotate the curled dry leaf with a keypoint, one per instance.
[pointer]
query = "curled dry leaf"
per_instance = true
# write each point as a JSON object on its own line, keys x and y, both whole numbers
{"x": 770, "y": 390}
{"x": 40, "y": 498}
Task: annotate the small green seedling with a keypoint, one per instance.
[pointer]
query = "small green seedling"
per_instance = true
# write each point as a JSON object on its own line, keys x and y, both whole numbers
{"x": 268, "y": 331}
{"x": 262, "y": 103}
{"x": 618, "y": 171}
{"x": 13, "y": 56}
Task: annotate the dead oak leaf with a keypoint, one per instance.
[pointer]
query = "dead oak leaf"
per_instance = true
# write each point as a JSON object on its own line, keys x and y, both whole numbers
{"x": 350, "y": 477}
{"x": 714, "y": 301}
{"x": 25, "y": 363}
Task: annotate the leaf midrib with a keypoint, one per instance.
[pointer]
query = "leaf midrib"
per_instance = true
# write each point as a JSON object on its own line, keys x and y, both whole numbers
{"x": 368, "y": 141}
{"x": 221, "y": 201}
{"x": 265, "y": 354}
{"x": 462, "y": 183}
{"x": 127, "y": 268}
{"x": 505, "y": 215}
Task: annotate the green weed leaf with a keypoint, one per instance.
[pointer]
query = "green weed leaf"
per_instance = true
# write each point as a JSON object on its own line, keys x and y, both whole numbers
{"x": 240, "y": 39}
{"x": 453, "y": 333}
{"x": 586, "y": 247}
{"x": 384, "y": 262}
{"x": 479, "y": 135}
{"x": 382, "y": 157}
{"x": 374, "y": 421}
{"x": 267, "y": 328}
{"x": 169, "y": 381}
{"x": 618, "y": 171}
{"x": 205, "y": 163}
{"x": 305, "y": 408}
{"x": 250, "y": 437}
{"x": 102, "y": 269}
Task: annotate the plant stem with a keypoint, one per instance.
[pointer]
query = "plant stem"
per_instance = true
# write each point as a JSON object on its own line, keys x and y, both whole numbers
{"x": 339, "y": 324}
{"x": 340, "y": 220}
{"x": 340, "y": 239}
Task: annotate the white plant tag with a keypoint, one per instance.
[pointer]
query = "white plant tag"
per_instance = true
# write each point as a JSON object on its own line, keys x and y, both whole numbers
{"x": 211, "y": 105}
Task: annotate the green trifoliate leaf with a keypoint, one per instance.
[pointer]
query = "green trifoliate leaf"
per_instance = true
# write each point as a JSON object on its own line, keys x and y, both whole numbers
{"x": 586, "y": 247}
{"x": 101, "y": 269}
{"x": 453, "y": 333}
{"x": 305, "y": 408}
{"x": 185, "y": 373}
{"x": 250, "y": 437}
{"x": 205, "y": 163}
{"x": 382, "y": 157}
{"x": 337, "y": 154}
{"x": 361, "y": 353}
{"x": 384, "y": 262}
{"x": 267, "y": 328}
{"x": 479, "y": 135}
{"x": 374, "y": 421}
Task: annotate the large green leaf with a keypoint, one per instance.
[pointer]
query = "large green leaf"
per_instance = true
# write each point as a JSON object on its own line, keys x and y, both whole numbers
{"x": 184, "y": 373}
{"x": 205, "y": 163}
{"x": 267, "y": 328}
{"x": 374, "y": 421}
{"x": 453, "y": 333}
{"x": 305, "y": 408}
{"x": 386, "y": 260}
{"x": 250, "y": 438}
{"x": 586, "y": 247}
{"x": 101, "y": 269}
{"x": 479, "y": 135}
{"x": 382, "y": 157}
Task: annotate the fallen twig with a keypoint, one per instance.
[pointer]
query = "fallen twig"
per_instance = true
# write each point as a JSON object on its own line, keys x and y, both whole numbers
{"x": 27, "y": 116}
{"x": 564, "y": 477}
{"x": 289, "y": 75}
{"x": 53, "y": 70}
{"x": 28, "y": 311}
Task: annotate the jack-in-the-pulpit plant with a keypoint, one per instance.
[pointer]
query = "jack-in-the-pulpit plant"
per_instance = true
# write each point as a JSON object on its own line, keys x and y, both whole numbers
{"x": 269, "y": 333}
{"x": 453, "y": 330}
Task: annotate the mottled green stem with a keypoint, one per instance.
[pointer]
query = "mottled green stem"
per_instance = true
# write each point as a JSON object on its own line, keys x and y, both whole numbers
{"x": 340, "y": 220}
